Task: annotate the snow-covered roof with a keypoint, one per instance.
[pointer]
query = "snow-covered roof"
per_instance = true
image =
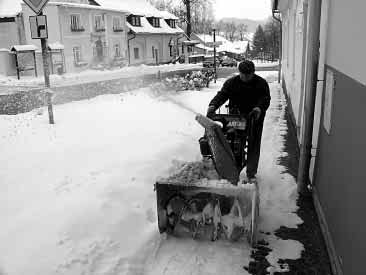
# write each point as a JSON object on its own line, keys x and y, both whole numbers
{"x": 136, "y": 7}
{"x": 230, "y": 47}
{"x": 168, "y": 15}
{"x": 23, "y": 48}
{"x": 146, "y": 27}
{"x": 56, "y": 46}
{"x": 191, "y": 42}
{"x": 85, "y": 6}
{"x": 203, "y": 47}
{"x": 10, "y": 8}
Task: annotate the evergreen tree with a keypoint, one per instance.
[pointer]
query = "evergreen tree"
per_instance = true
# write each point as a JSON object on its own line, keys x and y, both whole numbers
{"x": 259, "y": 41}
{"x": 272, "y": 37}
{"x": 247, "y": 51}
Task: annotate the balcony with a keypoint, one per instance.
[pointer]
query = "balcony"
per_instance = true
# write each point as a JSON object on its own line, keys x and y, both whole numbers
{"x": 117, "y": 29}
{"x": 99, "y": 29}
{"x": 77, "y": 29}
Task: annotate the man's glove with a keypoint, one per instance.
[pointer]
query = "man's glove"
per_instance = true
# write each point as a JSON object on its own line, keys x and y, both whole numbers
{"x": 211, "y": 111}
{"x": 256, "y": 113}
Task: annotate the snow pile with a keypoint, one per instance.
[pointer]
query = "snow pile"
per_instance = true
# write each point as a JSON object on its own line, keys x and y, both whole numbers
{"x": 191, "y": 172}
{"x": 195, "y": 80}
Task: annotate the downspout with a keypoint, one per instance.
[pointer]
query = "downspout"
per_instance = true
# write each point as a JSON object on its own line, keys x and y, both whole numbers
{"x": 321, "y": 83}
{"x": 312, "y": 57}
{"x": 280, "y": 43}
{"x": 128, "y": 48}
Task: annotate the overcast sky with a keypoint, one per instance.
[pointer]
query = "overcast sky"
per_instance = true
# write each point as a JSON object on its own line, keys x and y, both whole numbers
{"x": 251, "y": 9}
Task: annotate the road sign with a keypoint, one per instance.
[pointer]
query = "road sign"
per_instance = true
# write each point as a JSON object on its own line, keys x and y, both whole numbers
{"x": 38, "y": 26}
{"x": 36, "y": 5}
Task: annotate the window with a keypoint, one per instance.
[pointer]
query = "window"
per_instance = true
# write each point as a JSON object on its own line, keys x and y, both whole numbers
{"x": 135, "y": 20}
{"x": 117, "y": 50}
{"x": 77, "y": 54}
{"x": 154, "y": 21}
{"x": 75, "y": 22}
{"x": 170, "y": 50}
{"x": 99, "y": 23}
{"x": 153, "y": 51}
{"x": 171, "y": 23}
{"x": 136, "y": 53}
{"x": 117, "y": 24}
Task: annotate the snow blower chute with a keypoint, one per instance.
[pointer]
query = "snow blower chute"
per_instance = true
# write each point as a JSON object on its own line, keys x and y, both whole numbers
{"x": 206, "y": 199}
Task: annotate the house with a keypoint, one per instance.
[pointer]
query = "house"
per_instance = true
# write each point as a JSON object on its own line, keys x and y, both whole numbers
{"x": 11, "y": 33}
{"x": 324, "y": 78}
{"x": 234, "y": 49}
{"x": 91, "y": 35}
{"x": 153, "y": 36}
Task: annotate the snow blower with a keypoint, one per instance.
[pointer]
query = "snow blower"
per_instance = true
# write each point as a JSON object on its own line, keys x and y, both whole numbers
{"x": 206, "y": 199}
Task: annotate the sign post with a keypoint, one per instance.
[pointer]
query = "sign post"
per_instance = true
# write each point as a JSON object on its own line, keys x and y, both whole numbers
{"x": 39, "y": 30}
{"x": 214, "y": 46}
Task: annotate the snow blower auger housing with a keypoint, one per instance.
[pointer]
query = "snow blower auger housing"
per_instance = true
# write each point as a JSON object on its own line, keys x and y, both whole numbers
{"x": 205, "y": 199}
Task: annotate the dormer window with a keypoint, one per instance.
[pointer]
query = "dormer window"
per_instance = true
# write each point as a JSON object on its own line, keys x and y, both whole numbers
{"x": 171, "y": 23}
{"x": 154, "y": 21}
{"x": 134, "y": 20}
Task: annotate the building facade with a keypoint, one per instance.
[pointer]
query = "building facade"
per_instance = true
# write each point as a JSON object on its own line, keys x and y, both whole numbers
{"x": 324, "y": 77}
{"x": 92, "y": 36}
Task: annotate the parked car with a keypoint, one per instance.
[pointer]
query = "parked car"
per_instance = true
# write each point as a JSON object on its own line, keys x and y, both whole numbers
{"x": 230, "y": 62}
{"x": 209, "y": 62}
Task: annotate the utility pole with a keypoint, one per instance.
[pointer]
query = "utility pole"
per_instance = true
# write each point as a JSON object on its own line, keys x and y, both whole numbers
{"x": 214, "y": 44}
{"x": 46, "y": 73}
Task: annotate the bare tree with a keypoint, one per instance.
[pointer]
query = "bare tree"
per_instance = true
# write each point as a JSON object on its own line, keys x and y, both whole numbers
{"x": 232, "y": 29}
{"x": 242, "y": 29}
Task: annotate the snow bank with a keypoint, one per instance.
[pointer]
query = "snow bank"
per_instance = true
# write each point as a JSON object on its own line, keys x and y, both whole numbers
{"x": 93, "y": 75}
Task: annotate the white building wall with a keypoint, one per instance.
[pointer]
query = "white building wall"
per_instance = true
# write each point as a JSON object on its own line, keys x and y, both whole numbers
{"x": 139, "y": 43}
{"x": 346, "y": 38}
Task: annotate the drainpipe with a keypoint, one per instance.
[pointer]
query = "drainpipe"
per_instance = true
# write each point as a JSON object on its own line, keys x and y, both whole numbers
{"x": 312, "y": 58}
{"x": 128, "y": 48}
{"x": 280, "y": 43}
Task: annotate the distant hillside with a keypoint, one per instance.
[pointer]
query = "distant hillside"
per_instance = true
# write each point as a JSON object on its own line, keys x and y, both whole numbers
{"x": 252, "y": 24}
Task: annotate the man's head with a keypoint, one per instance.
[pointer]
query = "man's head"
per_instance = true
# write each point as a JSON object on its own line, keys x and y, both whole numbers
{"x": 246, "y": 70}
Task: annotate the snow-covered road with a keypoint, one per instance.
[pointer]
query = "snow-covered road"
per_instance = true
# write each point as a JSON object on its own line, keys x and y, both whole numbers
{"x": 77, "y": 197}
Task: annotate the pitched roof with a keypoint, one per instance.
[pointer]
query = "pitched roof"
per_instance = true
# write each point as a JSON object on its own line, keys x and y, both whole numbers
{"x": 136, "y": 7}
{"x": 23, "y": 48}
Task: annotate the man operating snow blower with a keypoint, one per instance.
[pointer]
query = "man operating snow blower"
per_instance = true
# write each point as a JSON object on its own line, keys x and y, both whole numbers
{"x": 248, "y": 96}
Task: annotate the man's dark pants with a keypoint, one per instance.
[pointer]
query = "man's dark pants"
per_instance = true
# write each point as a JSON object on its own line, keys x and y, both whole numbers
{"x": 254, "y": 147}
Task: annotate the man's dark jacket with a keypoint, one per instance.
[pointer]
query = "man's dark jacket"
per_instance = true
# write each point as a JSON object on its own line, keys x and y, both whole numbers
{"x": 244, "y": 96}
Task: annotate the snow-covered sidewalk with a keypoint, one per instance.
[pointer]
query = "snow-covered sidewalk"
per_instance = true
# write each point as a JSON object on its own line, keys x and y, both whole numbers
{"x": 77, "y": 197}
{"x": 13, "y": 84}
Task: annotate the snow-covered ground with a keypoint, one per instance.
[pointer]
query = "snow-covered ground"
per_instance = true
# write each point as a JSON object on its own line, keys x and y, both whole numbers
{"x": 77, "y": 197}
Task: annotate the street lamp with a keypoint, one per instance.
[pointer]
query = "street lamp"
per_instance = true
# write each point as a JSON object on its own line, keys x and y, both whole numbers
{"x": 214, "y": 45}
